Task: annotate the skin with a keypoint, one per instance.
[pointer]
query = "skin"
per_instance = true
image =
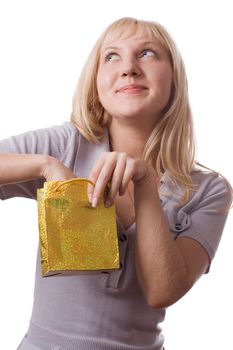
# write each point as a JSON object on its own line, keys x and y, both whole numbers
{"x": 133, "y": 60}
{"x": 166, "y": 269}
{"x": 134, "y": 112}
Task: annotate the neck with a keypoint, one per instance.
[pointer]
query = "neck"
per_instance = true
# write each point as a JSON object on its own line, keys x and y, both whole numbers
{"x": 127, "y": 138}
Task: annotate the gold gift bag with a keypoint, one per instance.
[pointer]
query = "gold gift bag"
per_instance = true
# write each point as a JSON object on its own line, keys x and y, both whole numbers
{"x": 75, "y": 237}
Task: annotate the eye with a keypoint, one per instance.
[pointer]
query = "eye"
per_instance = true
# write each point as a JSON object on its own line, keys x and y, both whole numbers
{"x": 111, "y": 56}
{"x": 148, "y": 53}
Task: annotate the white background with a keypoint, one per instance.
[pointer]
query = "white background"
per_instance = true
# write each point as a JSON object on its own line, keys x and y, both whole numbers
{"x": 43, "y": 47}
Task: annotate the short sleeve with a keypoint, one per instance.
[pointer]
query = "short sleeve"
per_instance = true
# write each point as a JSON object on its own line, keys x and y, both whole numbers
{"x": 50, "y": 141}
{"x": 203, "y": 218}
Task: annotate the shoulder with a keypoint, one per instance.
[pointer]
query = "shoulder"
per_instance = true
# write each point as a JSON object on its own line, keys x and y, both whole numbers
{"x": 210, "y": 188}
{"x": 68, "y": 127}
{"x": 55, "y": 132}
{"x": 52, "y": 140}
{"x": 203, "y": 216}
{"x": 63, "y": 130}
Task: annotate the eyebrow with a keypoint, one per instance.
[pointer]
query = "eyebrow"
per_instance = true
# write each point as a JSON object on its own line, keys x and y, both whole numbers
{"x": 141, "y": 44}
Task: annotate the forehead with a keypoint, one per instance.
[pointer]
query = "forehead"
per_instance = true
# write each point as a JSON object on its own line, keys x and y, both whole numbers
{"x": 138, "y": 34}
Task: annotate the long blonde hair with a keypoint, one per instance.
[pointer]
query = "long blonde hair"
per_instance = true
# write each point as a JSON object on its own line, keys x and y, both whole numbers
{"x": 171, "y": 145}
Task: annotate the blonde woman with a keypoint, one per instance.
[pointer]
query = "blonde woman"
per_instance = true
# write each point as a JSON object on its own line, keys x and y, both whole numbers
{"x": 131, "y": 127}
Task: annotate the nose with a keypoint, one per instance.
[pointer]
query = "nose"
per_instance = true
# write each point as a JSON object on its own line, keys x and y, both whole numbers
{"x": 130, "y": 68}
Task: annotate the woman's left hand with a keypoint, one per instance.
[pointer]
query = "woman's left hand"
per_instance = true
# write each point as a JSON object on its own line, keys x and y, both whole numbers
{"x": 119, "y": 169}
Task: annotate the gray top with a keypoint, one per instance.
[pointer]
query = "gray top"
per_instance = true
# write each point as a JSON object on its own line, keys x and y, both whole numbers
{"x": 108, "y": 311}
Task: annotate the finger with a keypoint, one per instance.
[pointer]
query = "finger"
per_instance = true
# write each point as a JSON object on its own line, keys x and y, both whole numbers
{"x": 104, "y": 177}
{"x": 128, "y": 175}
{"x": 93, "y": 176}
{"x": 117, "y": 177}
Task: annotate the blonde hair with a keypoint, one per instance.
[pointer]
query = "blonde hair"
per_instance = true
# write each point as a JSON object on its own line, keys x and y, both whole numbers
{"x": 171, "y": 145}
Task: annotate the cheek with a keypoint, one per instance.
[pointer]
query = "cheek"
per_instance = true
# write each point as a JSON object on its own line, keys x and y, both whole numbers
{"x": 166, "y": 82}
{"x": 103, "y": 88}
{"x": 99, "y": 82}
{"x": 103, "y": 83}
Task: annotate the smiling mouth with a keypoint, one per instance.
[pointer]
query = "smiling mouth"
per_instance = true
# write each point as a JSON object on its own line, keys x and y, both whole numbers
{"x": 132, "y": 90}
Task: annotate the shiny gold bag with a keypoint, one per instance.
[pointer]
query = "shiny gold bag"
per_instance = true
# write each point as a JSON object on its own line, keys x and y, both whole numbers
{"x": 74, "y": 236}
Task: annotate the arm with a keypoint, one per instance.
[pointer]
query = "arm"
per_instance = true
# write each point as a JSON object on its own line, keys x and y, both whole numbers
{"x": 23, "y": 156}
{"x": 16, "y": 168}
{"x": 166, "y": 268}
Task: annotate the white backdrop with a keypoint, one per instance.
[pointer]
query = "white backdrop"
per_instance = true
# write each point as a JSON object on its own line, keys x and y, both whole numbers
{"x": 43, "y": 47}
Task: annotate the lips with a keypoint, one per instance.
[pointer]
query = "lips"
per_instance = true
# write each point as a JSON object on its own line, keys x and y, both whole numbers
{"x": 131, "y": 87}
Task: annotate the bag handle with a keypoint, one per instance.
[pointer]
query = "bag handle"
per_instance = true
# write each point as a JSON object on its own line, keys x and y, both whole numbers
{"x": 78, "y": 179}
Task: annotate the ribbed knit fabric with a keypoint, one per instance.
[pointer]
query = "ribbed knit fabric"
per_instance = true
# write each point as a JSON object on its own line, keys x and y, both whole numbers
{"x": 43, "y": 338}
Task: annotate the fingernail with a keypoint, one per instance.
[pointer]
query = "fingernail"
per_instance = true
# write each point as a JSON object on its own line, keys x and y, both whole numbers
{"x": 94, "y": 202}
{"x": 90, "y": 197}
{"x": 108, "y": 203}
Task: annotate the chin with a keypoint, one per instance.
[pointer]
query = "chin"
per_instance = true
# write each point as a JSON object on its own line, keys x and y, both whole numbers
{"x": 130, "y": 111}
{"x": 127, "y": 116}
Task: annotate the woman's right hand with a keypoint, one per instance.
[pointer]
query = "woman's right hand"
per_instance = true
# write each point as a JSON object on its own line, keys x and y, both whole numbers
{"x": 54, "y": 170}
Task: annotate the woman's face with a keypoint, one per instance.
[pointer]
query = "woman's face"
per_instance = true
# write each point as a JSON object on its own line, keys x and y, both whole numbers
{"x": 134, "y": 77}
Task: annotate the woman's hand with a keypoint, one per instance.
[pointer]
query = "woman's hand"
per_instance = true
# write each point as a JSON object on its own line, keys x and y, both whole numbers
{"x": 119, "y": 169}
{"x": 53, "y": 170}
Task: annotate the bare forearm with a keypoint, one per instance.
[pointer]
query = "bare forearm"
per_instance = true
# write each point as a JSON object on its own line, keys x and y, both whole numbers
{"x": 159, "y": 264}
{"x": 16, "y": 168}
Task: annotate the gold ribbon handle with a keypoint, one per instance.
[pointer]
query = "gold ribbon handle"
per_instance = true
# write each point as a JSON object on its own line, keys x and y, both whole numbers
{"x": 77, "y": 179}
{"x": 86, "y": 180}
